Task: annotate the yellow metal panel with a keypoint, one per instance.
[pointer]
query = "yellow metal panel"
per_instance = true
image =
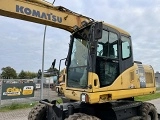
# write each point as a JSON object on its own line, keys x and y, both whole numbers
{"x": 129, "y": 79}
{"x": 123, "y": 81}
{"x": 118, "y": 29}
{"x": 100, "y": 97}
{"x": 125, "y": 86}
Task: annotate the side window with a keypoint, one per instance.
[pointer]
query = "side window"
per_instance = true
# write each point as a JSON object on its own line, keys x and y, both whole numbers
{"x": 99, "y": 49}
{"x": 115, "y": 50}
{"x": 102, "y": 44}
{"x": 126, "y": 47}
{"x": 113, "y": 40}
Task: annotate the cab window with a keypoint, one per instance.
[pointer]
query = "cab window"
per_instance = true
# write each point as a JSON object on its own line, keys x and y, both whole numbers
{"x": 126, "y": 47}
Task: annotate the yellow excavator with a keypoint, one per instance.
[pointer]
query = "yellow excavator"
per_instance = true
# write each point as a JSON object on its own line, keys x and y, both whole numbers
{"x": 60, "y": 86}
{"x": 102, "y": 77}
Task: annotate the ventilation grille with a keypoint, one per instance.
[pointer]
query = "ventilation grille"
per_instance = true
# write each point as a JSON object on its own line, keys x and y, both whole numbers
{"x": 149, "y": 78}
{"x": 132, "y": 75}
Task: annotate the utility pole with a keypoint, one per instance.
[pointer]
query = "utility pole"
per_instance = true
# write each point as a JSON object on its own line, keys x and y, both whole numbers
{"x": 42, "y": 78}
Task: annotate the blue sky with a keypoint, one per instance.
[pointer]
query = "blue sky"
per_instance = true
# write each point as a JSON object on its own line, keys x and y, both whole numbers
{"x": 21, "y": 41}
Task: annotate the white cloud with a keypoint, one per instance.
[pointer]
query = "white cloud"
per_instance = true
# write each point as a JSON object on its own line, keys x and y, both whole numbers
{"x": 21, "y": 41}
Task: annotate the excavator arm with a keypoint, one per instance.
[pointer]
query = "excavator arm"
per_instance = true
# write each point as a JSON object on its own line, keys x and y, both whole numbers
{"x": 39, "y": 11}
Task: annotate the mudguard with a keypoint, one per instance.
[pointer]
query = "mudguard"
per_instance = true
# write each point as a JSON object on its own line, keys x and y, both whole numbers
{"x": 61, "y": 111}
{"x": 53, "y": 112}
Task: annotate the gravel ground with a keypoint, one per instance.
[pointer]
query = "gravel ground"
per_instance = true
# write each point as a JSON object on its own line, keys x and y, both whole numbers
{"x": 23, "y": 114}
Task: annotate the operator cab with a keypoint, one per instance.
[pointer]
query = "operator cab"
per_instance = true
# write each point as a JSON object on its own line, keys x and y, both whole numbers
{"x": 98, "y": 48}
{"x": 114, "y": 55}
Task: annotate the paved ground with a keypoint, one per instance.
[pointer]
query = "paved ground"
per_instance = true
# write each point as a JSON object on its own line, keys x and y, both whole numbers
{"x": 22, "y": 114}
{"x": 156, "y": 102}
{"x": 15, "y": 115}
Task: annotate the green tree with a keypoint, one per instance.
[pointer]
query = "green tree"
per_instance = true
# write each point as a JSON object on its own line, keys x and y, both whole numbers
{"x": 22, "y": 75}
{"x": 26, "y": 75}
{"x": 8, "y": 73}
{"x": 30, "y": 75}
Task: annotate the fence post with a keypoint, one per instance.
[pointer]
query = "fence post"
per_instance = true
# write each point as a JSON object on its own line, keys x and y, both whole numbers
{"x": 1, "y": 93}
{"x": 49, "y": 90}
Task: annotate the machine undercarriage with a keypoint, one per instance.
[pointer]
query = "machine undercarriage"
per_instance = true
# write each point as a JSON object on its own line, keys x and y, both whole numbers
{"x": 73, "y": 110}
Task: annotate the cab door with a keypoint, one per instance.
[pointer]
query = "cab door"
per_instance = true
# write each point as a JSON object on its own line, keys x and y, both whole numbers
{"x": 107, "y": 60}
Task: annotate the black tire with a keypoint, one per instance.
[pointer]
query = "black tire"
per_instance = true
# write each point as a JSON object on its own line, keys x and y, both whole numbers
{"x": 38, "y": 112}
{"x": 148, "y": 112}
{"x": 81, "y": 116}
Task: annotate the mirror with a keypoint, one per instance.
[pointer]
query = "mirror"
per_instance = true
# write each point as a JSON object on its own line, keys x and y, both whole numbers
{"x": 98, "y": 30}
{"x": 60, "y": 67}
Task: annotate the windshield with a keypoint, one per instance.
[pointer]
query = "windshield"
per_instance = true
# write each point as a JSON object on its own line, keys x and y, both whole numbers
{"x": 77, "y": 70}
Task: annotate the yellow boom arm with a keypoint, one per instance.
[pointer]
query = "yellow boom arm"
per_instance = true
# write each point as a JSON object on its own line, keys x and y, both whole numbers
{"x": 42, "y": 12}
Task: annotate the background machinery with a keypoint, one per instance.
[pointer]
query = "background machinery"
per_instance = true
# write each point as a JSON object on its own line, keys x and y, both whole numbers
{"x": 60, "y": 87}
{"x": 102, "y": 78}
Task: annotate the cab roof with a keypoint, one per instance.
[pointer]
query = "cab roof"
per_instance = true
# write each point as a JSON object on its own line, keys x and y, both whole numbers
{"x": 117, "y": 28}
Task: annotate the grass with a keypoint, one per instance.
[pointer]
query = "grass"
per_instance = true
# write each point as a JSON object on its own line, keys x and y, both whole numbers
{"x": 158, "y": 88}
{"x": 148, "y": 97}
{"x": 15, "y": 106}
{"x": 59, "y": 101}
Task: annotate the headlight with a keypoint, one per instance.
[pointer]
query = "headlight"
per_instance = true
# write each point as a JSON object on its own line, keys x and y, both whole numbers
{"x": 84, "y": 98}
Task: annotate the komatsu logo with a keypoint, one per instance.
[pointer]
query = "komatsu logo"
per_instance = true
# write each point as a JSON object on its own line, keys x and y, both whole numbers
{"x": 38, "y": 14}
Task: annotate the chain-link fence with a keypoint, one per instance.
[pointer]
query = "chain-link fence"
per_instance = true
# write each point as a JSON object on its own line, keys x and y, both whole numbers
{"x": 15, "y": 87}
